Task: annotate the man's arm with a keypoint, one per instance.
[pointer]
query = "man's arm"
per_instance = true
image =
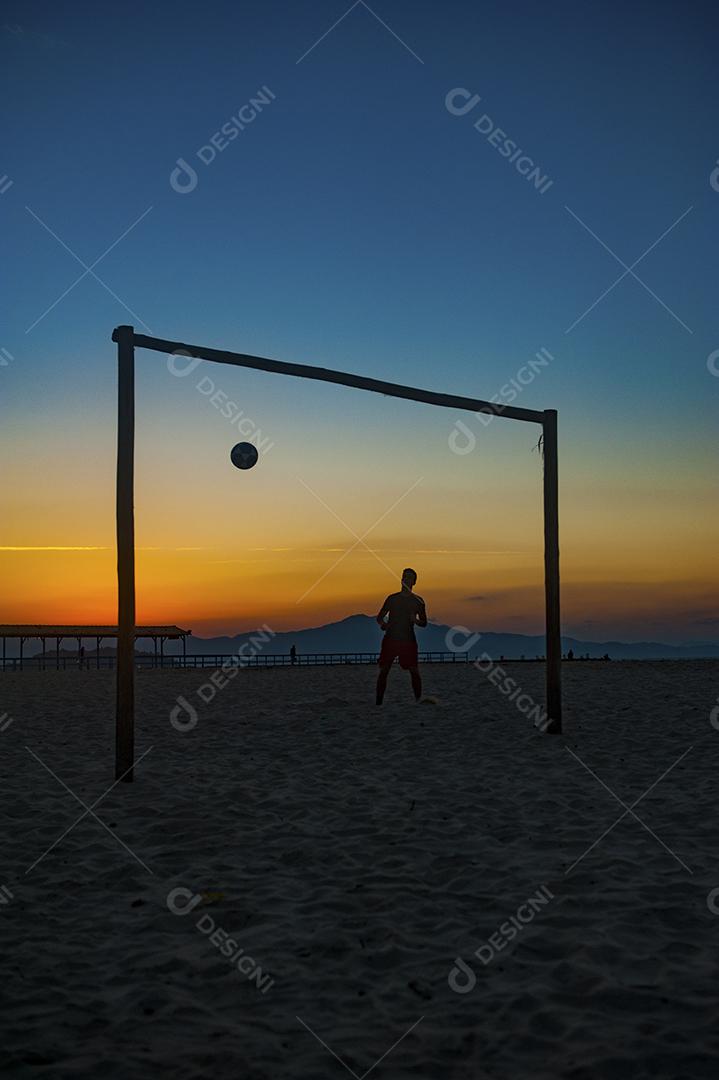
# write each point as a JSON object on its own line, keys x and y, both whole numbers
{"x": 384, "y": 610}
{"x": 421, "y": 615}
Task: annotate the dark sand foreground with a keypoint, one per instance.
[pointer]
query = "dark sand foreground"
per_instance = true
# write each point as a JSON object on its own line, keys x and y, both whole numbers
{"x": 353, "y": 855}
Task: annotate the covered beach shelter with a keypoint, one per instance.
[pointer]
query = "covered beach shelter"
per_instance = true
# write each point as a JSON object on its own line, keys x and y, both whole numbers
{"x": 21, "y": 633}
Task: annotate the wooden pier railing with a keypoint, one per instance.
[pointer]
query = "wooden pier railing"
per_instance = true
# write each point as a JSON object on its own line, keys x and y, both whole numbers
{"x": 217, "y": 660}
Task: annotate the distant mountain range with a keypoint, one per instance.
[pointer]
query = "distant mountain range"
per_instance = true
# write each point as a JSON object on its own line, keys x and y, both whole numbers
{"x": 360, "y": 633}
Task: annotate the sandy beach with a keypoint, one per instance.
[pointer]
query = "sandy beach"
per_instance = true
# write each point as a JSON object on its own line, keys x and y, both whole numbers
{"x": 288, "y": 885}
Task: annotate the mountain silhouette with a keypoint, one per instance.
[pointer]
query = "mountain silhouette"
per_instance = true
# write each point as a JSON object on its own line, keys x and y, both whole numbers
{"x": 360, "y": 633}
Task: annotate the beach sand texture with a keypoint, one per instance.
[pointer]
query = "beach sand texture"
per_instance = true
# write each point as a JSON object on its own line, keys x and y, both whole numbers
{"x": 354, "y": 854}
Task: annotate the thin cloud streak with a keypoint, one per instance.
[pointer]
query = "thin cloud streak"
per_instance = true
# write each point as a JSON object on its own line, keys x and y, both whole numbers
{"x": 86, "y": 547}
{"x": 53, "y": 547}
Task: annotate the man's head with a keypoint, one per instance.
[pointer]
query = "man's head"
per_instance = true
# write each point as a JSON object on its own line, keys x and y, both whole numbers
{"x": 409, "y": 578}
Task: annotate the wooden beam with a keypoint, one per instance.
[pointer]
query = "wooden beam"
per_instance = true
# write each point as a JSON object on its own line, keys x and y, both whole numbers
{"x": 359, "y": 382}
{"x": 125, "y": 703}
{"x": 551, "y": 573}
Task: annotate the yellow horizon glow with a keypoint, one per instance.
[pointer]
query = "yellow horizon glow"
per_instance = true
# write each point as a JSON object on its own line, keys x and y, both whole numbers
{"x": 217, "y": 591}
{"x": 222, "y": 552}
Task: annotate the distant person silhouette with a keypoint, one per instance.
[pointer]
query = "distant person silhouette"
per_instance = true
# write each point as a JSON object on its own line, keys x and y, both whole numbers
{"x": 403, "y": 611}
{"x": 293, "y": 655}
{"x": 570, "y": 654}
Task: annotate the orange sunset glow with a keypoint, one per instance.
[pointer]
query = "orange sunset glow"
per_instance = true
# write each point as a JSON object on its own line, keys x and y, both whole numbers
{"x": 282, "y": 545}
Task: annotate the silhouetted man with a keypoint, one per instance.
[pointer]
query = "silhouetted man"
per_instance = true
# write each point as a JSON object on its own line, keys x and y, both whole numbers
{"x": 404, "y": 611}
{"x": 293, "y": 655}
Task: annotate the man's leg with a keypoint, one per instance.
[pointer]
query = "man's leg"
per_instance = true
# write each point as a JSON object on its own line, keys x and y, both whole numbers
{"x": 416, "y": 682}
{"x": 382, "y": 682}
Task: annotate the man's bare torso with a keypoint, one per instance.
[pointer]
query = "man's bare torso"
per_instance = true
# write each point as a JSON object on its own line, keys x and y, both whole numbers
{"x": 402, "y": 609}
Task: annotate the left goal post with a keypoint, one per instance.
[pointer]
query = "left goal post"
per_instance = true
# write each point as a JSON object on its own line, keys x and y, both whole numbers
{"x": 125, "y": 525}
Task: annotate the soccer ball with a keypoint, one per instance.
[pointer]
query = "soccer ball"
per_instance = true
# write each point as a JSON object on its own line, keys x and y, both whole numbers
{"x": 244, "y": 455}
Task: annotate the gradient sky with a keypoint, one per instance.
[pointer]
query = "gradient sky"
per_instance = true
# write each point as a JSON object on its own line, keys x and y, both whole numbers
{"x": 356, "y": 223}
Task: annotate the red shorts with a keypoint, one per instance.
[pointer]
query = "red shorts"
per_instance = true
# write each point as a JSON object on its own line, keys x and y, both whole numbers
{"x": 406, "y": 651}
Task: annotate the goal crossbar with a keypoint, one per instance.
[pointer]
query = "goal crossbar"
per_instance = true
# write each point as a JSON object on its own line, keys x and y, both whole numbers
{"x": 127, "y": 340}
{"x": 343, "y": 378}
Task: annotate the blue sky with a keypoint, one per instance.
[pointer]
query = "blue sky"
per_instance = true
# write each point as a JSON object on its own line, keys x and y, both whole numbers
{"x": 357, "y": 223}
